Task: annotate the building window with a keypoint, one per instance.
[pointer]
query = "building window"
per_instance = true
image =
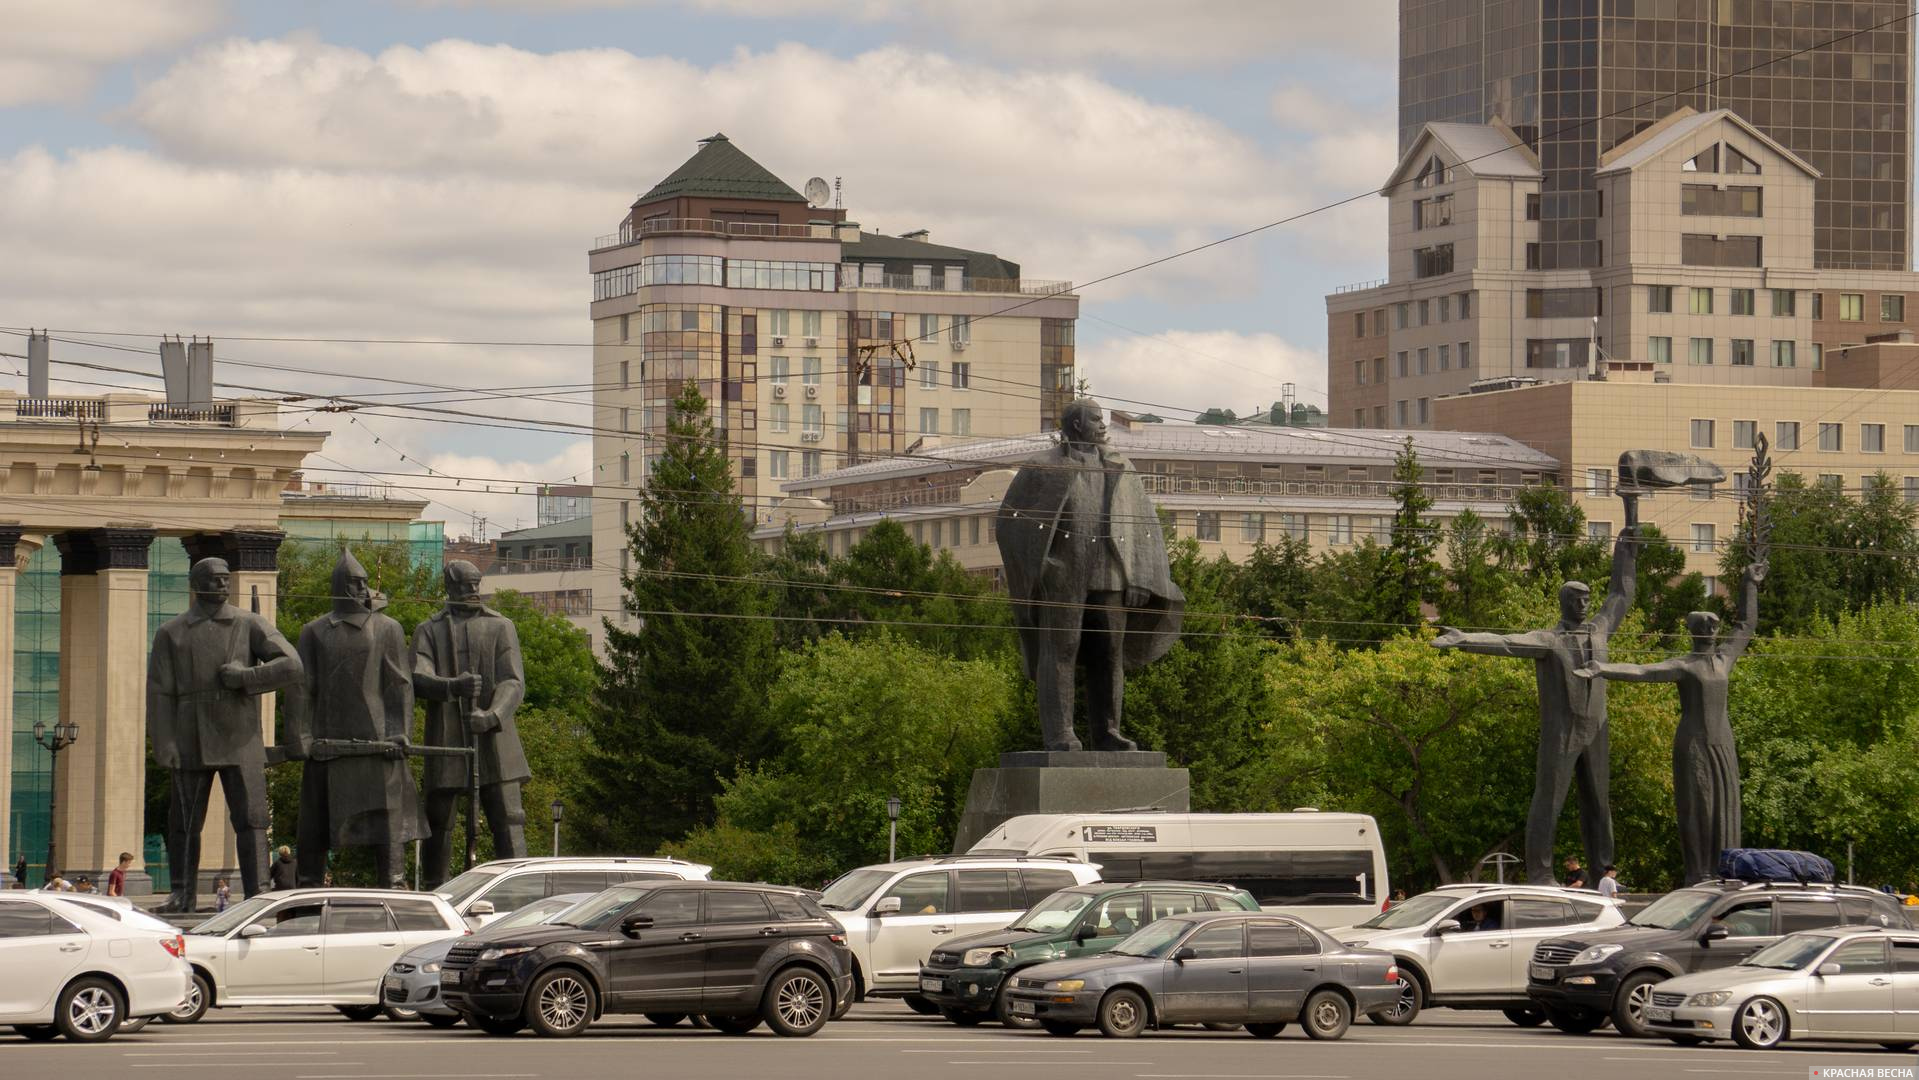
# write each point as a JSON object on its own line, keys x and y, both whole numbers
{"x": 929, "y": 324}
{"x": 1445, "y": 308}
{"x": 810, "y": 370}
{"x": 1741, "y": 301}
{"x": 1425, "y": 311}
{"x": 1532, "y": 256}
{"x": 1433, "y": 212}
{"x": 1359, "y": 373}
{"x": 1785, "y": 435}
{"x": 1399, "y": 413}
{"x": 1831, "y": 482}
{"x": 1872, "y": 438}
{"x": 1702, "y": 434}
{"x": 1465, "y": 353}
{"x": 1399, "y": 365}
{"x": 1379, "y": 369}
{"x": 1783, "y": 354}
{"x": 1912, "y": 438}
{"x": 780, "y": 368}
{"x": 1892, "y": 307}
{"x": 809, "y": 463}
{"x": 776, "y": 464}
{"x": 1399, "y": 315}
{"x": 1700, "y": 301}
{"x": 1559, "y": 353}
{"x": 1207, "y": 525}
{"x": 1852, "y": 307}
{"x": 1379, "y": 416}
{"x": 1339, "y": 529}
{"x": 1659, "y": 350}
{"x": 626, "y": 382}
{"x": 1425, "y": 410}
{"x": 1818, "y": 357}
{"x": 962, "y": 376}
{"x": 1599, "y": 531}
{"x": 1445, "y": 357}
{"x": 1743, "y": 432}
{"x": 1293, "y": 525}
{"x": 626, "y": 419}
{"x": 812, "y": 419}
{"x": 1703, "y": 538}
{"x": 1379, "y": 322}
{"x": 961, "y": 332}
{"x": 1433, "y": 261}
{"x": 1706, "y": 250}
{"x": 1359, "y": 418}
{"x": 1782, "y": 302}
{"x": 1465, "y": 305}
{"x": 1741, "y": 352}
{"x": 1912, "y": 489}
{"x": 1832, "y": 437}
{"x": 929, "y": 376}
{"x": 1598, "y": 482}
{"x": 749, "y": 467}
{"x": 1701, "y": 354}
{"x": 1706, "y": 200}
{"x": 1659, "y": 299}
{"x": 1563, "y": 303}
{"x": 1818, "y": 306}
{"x": 929, "y": 421}
{"x": 1424, "y": 365}
{"x": 1359, "y": 324}
{"x": 962, "y": 421}
{"x": 1252, "y": 528}
{"x": 777, "y": 418}
{"x": 810, "y": 324}
{"x": 1532, "y": 206}
{"x": 626, "y": 467}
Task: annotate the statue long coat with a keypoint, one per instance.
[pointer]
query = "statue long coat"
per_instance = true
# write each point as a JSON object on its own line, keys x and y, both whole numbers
{"x": 359, "y": 685}
{"x": 1094, "y": 490}
{"x": 490, "y": 646}
{"x": 195, "y": 722}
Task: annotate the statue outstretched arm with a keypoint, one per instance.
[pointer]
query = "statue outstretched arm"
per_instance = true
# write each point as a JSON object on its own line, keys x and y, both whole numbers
{"x": 1668, "y": 670}
{"x": 1741, "y": 636}
{"x": 1530, "y": 645}
{"x": 1625, "y": 579}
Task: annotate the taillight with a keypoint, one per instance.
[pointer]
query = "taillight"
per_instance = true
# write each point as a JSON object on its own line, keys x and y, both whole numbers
{"x": 837, "y": 939}
{"x": 1386, "y": 904}
{"x": 176, "y": 946}
{"x": 1392, "y": 973}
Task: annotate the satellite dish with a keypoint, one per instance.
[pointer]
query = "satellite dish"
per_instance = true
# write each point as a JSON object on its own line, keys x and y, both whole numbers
{"x": 817, "y": 191}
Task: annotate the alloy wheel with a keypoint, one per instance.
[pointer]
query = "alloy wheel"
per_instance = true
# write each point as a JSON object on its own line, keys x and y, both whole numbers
{"x": 92, "y": 1010}
{"x": 1760, "y": 1021}
{"x": 189, "y": 1008}
{"x": 562, "y": 1003}
{"x": 800, "y": 1001}
{"x": 1636, "y": 1001}
{"x": 1407, "y": 1002}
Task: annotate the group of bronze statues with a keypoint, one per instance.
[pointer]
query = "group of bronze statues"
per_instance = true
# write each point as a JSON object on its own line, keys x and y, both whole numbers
{"x": 348, "y": 719}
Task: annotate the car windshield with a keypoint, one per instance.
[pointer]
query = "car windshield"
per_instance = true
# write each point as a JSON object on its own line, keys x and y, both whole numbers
{"x": 236, "y": 915}
{"x": 1056, "y": 912}
{"x": 852, "y": 889}
{"x": 1415, "y": 912}
{"x": 1674, "y": 911}
{"x": 1788, "y": 954}
{"x": 533, "y": 914}
{"x": 464, "y": 886}
{"x": 1155, "y": 940}
{"x": 599, "y": 912}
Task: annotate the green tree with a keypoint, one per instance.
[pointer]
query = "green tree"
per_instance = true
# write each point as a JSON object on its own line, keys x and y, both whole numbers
{"x": 1411, "y": 573}
{"x": 1830, "y": 554}
{"x": 1548, "y": 542}
{"x": 1478, "y": 593}
{"x": 1665, "y": 590}
{"x": 681, "y": 700}
{"x": 1274, "y": 583}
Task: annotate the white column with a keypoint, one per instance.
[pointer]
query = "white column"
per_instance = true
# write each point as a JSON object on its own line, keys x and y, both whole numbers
{"x": 9, "y": 595}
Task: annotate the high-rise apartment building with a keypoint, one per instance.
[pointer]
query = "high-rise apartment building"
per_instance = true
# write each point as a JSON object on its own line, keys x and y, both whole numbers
{"x": 1576, "y": 78}
{"x": 816, "y": 344}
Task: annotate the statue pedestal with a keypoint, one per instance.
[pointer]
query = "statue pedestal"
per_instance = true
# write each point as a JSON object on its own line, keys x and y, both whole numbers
{"x": 1070, "y": 782}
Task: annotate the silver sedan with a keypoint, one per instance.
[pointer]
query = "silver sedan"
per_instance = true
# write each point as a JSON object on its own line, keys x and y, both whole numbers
{"x": 1842, "y": 984}
{"x": 413, "y": 982}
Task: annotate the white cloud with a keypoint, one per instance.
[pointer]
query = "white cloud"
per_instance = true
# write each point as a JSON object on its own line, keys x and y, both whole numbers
{"x": 1176, "y": 373}
{"x": 53, "y": 51}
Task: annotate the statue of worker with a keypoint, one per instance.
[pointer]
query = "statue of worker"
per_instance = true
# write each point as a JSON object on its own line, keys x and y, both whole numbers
{"x": 1086, "y": 566}
{"x": 466, "y": 666}
{"x": 350, "y": 727}
{"x": 208, "y": 666}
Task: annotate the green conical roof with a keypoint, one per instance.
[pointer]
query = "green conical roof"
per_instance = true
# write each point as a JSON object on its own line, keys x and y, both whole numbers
{"x": 722, "y": 170}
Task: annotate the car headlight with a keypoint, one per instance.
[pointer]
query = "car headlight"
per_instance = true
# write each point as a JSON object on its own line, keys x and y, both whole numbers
{"x": 502, "y": 952}
{"x": 1066, "y": 984}
{"x": 979, "y": 957}
{"x": 1711, "y": 998}
{"x": 432, "y": 968}
{"x": 1597, "y": 953}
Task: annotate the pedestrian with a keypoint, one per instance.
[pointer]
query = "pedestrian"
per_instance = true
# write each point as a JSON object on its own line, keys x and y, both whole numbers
{"x": 20, "y": 872}
{"x": 83, "y": 884}
{"x": 1575, "y": 874}
{"x": 1609, "y": 885}
{"x": 280, "y": 874}
{"x": 1399, "y": 897}
{"x": 117, "y": 877}
{"x": 56, "y": 883}
{"x": 221, "y": 895}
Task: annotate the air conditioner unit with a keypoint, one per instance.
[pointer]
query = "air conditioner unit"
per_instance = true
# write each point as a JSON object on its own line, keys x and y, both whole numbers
{"x": 811, "y": 436}
{"x": 812, "y": 390}
{"x": 959, "y": 346}
{"x": 811, "y": 343}
{"x": 778, "y": 340}
{"x": 779, "y": 390}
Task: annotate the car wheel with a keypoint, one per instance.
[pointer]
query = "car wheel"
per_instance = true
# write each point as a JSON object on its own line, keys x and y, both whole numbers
{"x": 1405, "y": 1009}
{"x": 1003, "y": 1009}
{"x": 559, "y": 1003}
{"x": 1685, "y": 1040}
{"x": 1760, "y": 1024}
{"x": 360, "y": 1014}
{"x": 1576, "y": 1020}
{"x": 441, "y": 1020}
{"x": 733, "y": 1025}
{"x": 1060, "y": 1028}
{"x": 130, "y": 1026}
{"x": 1265, "y": 1031}
{"x": 920, "y": 1005}
{"x": 1122, "y": 1014}
{"x": 511, "y": 1025}
{"x": 89, "y": 1010}
{"x": 666, "y": 1019}
{"x": 798, "y": 1002}
{"x": 1327, "y": 1015}
{"x": 37, "y": 1032}
{"x": 404, "y": 1016}
{"x": 963, "y": 1017}
{"x": 1525, "y": 1017}
{"x": 195, "y": 1006}
{"x": 1630, "y": 1001}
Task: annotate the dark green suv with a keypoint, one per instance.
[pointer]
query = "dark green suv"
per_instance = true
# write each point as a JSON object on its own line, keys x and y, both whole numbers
{"x": 965, "y": 977}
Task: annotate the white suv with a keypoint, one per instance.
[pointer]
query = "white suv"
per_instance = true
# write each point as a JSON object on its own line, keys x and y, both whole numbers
{"x": 895, "y": 913}
{"x": 504, "y": 886}
{"x": 81, "y": 971}
{"x": 1467, "y": 946}
{"x": 309, "y": 947}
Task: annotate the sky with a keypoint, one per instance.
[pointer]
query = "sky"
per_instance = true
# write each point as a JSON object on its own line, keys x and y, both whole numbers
{"x": 435, "y": 170}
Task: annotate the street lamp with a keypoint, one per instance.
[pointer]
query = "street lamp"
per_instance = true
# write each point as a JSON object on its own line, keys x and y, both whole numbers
{"x": 559, "y": 808}
{"x": 54, "y": 740}
{"x": 892, "y": 827}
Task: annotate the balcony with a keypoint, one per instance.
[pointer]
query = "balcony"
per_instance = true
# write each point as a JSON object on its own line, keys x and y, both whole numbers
{"x": 709, "y": 227}
{"x": 131, "y": 409}
{"x": 539, "y": 566}
{"x": 907, "y": 282}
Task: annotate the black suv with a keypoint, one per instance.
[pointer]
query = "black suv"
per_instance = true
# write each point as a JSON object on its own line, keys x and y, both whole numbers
{"x": 1580, "y": 983}
{"x": 738, "y": 954}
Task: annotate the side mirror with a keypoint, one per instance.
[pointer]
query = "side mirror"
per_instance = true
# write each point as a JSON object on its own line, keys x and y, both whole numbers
{"x": 1184, "y": 953}
{"x": 253, "y": 930}
{"x": 887, "y": 906}
{"x": 1446, "y": 926}
{"x": 633, "y": 924}
{"x": 479, "y": 909}
{"x": 1829, "y": 969}
{"x": 1718, "y": 933}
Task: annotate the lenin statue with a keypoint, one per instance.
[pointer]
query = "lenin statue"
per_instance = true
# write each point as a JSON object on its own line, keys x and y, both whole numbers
{"x": 466, "y": 666}
{"x": 207, "y": 668}
{"x": 1086, "y": 566}
{"x": 356, "y": 789}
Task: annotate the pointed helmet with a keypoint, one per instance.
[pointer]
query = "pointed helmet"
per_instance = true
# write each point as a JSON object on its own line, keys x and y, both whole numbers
{"x": 345, "y": 572}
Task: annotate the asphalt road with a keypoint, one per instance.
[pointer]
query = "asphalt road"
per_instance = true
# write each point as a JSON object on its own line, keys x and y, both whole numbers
{"x": 884, "y": 1040}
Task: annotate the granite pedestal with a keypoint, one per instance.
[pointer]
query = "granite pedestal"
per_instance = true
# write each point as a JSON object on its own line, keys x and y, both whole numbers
{"x": 1070, "y": 782}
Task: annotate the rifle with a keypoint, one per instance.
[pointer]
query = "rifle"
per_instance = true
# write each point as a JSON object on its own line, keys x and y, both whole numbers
{"x": 334, "y": 749}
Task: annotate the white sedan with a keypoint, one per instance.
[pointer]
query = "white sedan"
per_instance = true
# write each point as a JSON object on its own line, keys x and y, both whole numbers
{"x": 81, "y": 971}
{"x": 1842, "y": 984}
{"x": 309, "y": 947}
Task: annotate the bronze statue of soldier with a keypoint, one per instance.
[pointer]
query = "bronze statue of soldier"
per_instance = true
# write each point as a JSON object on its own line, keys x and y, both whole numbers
{"x": 208, "y": 666}
{"x": 467, "y": 667}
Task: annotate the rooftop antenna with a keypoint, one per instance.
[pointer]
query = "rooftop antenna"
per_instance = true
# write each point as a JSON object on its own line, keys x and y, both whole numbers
{"x": 836, "y": 193}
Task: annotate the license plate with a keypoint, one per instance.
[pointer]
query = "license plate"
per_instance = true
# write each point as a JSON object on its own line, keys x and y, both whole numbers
{"x": 392, "y": 982}
{"x": 1024, "y": 1008}
{"x": 1542, "y": 973}
{"x": 932, "y": 986}
{"x": 1659, "y": 1016}
{"x": 449, "y": 978}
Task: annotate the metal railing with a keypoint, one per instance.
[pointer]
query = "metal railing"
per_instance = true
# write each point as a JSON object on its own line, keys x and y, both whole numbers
{"x": 1162, "y": 484}
{"x": 1027, "y": 286}
{"x": 711, "y": 227}
{"x": 1360, "y": 286}
{"x": 54, "y": 408}
{"x": 218, "y": 414}
{"x": 539, "y": 566}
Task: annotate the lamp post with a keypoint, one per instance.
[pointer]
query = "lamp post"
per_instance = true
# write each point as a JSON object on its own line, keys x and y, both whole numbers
{"x": 892, "y": 827}
{"x": 559, "y": 808}
{"x": 54, "y": 739}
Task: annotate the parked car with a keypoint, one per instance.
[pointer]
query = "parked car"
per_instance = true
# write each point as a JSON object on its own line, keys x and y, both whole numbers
{"x": 968, "y": 978}
{"x": 1466, "y": 946}
{"x": 1326, "y": 868}
{"x": 737, "y": 954}
{"x": 309, "y": 947}
{"x": 896, "y": 913}
{"x": 413, "y": 982}
{"x": 1261, "y": 970}
{"x": 73, "y": 969}
{"x": 1583, "y": 981}
{"x": 504, "y": 886}
{"x": 1845, "y": 984}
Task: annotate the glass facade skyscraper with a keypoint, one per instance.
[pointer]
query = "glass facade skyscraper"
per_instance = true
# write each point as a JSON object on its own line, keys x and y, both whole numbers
{"x": 1552, "y": 68}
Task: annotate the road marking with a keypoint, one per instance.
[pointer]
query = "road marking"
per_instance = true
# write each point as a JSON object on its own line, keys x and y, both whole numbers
{"x": 1243, "y": 1076}
{"x": 978, "y": 1052}
{"x": 224, "y": 1065}
{"x": 417, "y": 1076}
{"x": 231, "y": 1053}
{"x": 1051, "y": 1064}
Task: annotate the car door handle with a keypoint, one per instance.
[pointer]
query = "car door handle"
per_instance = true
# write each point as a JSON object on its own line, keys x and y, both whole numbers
{"x": 1309, "y": 969}
{"x": 311, "y": 948}
{"x": 689, "y": 937}
{"x": 72, "y": 946}
{"x": 1881, "y": 982}
{"x": 389, "y": 944}
{"x": 1235, "y": 971}
{"x": 942, "y": 929}
{"x": 1499, "y": 944}
{"x": 769, "y": 931}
